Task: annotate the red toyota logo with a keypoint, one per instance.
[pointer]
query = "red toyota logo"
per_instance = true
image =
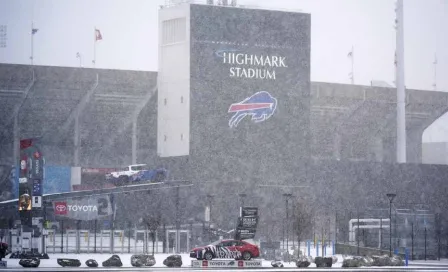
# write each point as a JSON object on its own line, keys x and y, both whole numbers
{"x": 240, "y": 264}
{"x": 204, "y": 263}
{"x": 60, "y": 208}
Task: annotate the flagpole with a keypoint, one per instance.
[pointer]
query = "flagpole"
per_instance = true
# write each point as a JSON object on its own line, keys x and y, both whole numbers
{"x": 435, "y": 72}
{"x": 32, "y": 43}
{"x": 401, "y": 93}
{"x": 352, "y": 73}
{"x": 78, "y": 55}
{"x": 353, "y": 65}
{"x": 94, "y": 47}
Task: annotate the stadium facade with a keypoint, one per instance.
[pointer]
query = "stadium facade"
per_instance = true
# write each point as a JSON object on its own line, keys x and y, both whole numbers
{"x": 232, "y": 109}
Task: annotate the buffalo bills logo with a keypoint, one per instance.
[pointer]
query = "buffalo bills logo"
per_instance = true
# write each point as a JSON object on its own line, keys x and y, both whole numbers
{"x": 259, "y": 106}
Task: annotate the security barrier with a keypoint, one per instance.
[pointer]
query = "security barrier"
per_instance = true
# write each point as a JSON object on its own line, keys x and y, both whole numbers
{"x": 85, "y": 241}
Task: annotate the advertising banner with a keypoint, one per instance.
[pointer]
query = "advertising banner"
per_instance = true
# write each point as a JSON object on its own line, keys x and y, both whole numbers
{"x": 226, "y": 263}
{"x": 94, "y": 178}
{"x": 88, "y": 208}
{"x": 247, "y": 223}
{"x": 57, "y": 179}
{"x": 31, "y": 174}
{"x": 245, "y": 234}
{"x": 249, "y": 212}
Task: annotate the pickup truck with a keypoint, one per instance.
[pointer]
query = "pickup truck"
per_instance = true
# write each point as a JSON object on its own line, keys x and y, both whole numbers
{"x": 136, "y": 173}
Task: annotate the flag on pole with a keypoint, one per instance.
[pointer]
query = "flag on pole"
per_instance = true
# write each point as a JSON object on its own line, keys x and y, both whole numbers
{"x": 395, "y": 58}
{"x": 78, "y": 55}
{"x": 98, "y": 35}
{"x": 350, "y": 54}
{"x": 34, "y": 31}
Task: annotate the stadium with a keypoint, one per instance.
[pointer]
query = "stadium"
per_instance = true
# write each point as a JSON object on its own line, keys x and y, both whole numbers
{"x": 332, "y": 146}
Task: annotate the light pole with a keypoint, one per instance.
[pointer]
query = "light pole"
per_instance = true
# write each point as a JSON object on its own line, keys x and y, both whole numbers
{"x": 242, "y": 197}
{"x": 287, "y": 197}
{"x": 209, "y": 199}
{"x": 177, "y": 221}
{"x": 391, "y": 198}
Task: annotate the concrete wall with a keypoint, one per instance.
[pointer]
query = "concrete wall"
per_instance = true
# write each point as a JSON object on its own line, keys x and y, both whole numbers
{"x": 435, "y": 153}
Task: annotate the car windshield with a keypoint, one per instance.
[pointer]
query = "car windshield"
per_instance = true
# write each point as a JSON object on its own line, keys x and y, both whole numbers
{"x": 215, "y": 243}
{"x": 138, "y": 168}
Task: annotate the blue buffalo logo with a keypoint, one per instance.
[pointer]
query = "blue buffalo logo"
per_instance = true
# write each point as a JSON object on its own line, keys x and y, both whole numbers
{"x": 260, "y": 106}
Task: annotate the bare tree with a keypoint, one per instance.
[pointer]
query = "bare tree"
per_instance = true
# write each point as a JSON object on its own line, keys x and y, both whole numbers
{"x": 302, "y": 222}
{"x": 153, "y": 223}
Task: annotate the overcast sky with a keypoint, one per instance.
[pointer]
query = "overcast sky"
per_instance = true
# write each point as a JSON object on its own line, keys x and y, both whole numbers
{"x": 129, "y": 29}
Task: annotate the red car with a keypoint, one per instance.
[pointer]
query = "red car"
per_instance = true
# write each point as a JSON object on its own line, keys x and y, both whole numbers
{"x": 226, "y": 249}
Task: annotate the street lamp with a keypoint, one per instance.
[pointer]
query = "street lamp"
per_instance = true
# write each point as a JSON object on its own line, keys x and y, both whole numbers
{"x": 287, "y": 197}
{"x": 391, "y": 198}
{"x": 242, "y": 197}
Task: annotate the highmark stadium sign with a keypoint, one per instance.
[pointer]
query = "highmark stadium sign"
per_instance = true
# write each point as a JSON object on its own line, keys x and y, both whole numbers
{"x": 253, "y": 66}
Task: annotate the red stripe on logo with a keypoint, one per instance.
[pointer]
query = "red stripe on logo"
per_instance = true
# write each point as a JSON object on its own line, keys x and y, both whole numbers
{"x": 253, "y": 106}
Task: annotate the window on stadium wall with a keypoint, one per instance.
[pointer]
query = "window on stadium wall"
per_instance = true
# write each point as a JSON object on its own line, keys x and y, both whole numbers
{"x": 225, "y": 129}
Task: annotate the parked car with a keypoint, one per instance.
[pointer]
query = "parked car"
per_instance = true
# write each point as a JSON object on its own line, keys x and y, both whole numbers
{"x": 226, "y": 249}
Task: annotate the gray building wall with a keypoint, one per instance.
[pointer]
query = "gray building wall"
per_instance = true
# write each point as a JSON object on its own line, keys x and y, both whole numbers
{"x": 435, "y": 153}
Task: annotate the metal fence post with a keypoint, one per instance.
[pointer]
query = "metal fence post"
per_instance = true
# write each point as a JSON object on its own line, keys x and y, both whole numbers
{"x": 357, "y": 235}
{"x": 425, "y": 243}
{"x": 62, "y": 236}
{"x": 412, "y": 241}
{"x": 438, "y": 235}
{"x": 78, "y": 238}
{"x": 94, "y": 239}
{"x": 129, "y": 237}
